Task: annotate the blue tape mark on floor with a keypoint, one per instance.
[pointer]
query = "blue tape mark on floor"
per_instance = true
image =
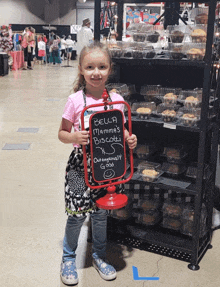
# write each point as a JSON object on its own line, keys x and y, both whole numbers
{"x": 136, "y": 277}
{"x": 52, "y": 100}
{"x": 28, "y": 130}
{"x": 24, "y": 146}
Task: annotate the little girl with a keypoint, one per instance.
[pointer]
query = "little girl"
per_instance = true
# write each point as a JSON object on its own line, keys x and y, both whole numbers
{"x": 94, "y": 68}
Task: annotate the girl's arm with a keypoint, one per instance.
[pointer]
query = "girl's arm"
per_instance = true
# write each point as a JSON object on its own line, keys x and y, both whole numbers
{"x": 131, "y": 140}
{"x": 65, "y": 135}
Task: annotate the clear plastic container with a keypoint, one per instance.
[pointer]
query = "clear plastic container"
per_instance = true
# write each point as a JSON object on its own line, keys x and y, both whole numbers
{"x": 175, "y": 154}
{"x": 149, "y": 52}
{"x": 198, "y": 33}
{"x": 171, "y": 223}
{"x": 195, "y": 51}
{"x": 150, "y": 92}
{"x": 149, "y": 219}
{"x": 167, "y": 112}
{"x": 169, "y": 96}
{"x": 192, "y": 171}
{"x": 187, "y": 219}
{"x": 176, "y": 33}
{"x": 138, "y": 51}
{"x": 200, "y": 15}
{"x": 139, "y": 37}
{"x": 149, "y": 171}
{"x": 127, "y": 52}
{"x": 143, "y": 109}
{"x": 149, "y": 205}
{"x": 154, "y": 34}
{"x": 119, "y": 88}
{"x": 189, "y": 117}
{"x": 115, "y": 49}
{"x": 144, "y": 150}
{"x": 171, "y": 209}
{"x": 177, "y": 51}
{"x": 190, "y": 99}
{"x": 173, "y": 169}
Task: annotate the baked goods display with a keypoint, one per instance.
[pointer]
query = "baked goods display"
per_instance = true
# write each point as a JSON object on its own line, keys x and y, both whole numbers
{"x": 142, "y": 151}
{"x": 189, "y": 119}
{"x": 116, "y": 51}
{"x": 177, "y": 53}
{"x": 151, "y": 219}
{"x": 149, "y": 52}
{"x": 195, "y": 54}
{"x": 172, "y": 169}
{"x": 177, "y": 36}
{"x": 198, "y": 36}
{"x": 139, "y": 37}
{"x": 153, "y": 37}
{"x": 174, "y": 153}
{"x": 123, "y": 213}
{"x": 138, "y": 53}
{"x": 168, "y": 115}
{"x": 149, "y": 205}
{"x": 171, "y": 223}
{"x": 171, "y": 210}
{"x": 149, "y": 174}
{"x": 201, "y": 18}
{"x": 191, "y": 102}
{"x": 143, "y": 109}
{"x": 170, "y": 98}
{"x": 127, "y": 52}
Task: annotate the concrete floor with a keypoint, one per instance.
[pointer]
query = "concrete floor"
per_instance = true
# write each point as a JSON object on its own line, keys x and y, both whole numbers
{"x": 32, "y": 214}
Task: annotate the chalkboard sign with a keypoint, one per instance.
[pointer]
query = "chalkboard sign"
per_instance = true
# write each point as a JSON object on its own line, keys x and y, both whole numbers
{"x": 107, "y": 145}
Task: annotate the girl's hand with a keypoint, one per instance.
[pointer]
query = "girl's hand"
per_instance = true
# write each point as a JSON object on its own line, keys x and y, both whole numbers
{"x": 132, "y": 141}
{"x": 81, "y": 137}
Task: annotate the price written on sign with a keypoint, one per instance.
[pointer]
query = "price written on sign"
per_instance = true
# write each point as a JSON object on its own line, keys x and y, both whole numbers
{"x": 107, "y": 145}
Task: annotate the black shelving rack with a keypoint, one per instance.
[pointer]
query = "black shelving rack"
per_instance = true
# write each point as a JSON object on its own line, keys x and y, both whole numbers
{"x": 174, "y": 73}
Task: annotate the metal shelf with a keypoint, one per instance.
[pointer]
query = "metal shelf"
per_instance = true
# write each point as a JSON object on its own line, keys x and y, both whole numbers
{"x": 159, "y": 60}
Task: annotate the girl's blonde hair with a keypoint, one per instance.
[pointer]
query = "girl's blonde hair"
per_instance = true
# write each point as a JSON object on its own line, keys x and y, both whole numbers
{"x": 80, "y": 83}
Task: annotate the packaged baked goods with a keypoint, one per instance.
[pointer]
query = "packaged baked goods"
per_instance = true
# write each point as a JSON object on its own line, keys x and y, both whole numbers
{"x": 177, "y": 51}
{"x": 176, "y": 33}
{"x": 169, "y": 96}
{"x": 149, "y": 171}
{"x": 153, "y": 37}
{"x": 150, "y": 92}
{"x": 139, "y": 37}
{"x": 167, "y": 112}
{"x": 119, "y": 88}
{"x": 201, "y": 18}
{"x": 190, "y": 99}
{"x": 189, "y": 117}
{"x": 149, "y": 219}
{"x": 143, "y": 109}
{"x": 175, "y": 154}
{"x": 187, "y": 219}
{"x": 195, "y": 52}
{"x": 171, "y": 209}
{"x": 199, "y": 33}
{"x": 171, "y": 223}
{"x": 144, "y": 150}
{"x": 127, "y": 52}
{"x": 173, "y": 169}
{"x": 138, "y": 51}
{"x": 149, "y": 205}
{"x": 149, "y": 52}
{"x": 123, "y": 213}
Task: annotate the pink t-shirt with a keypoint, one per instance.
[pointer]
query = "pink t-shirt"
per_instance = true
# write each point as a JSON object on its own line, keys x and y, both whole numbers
{"x": 75, "y": 105}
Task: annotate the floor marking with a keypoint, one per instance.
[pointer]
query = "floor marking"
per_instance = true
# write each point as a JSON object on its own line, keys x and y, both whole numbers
{"x": 136, "y": 277}
{"x": 28, "y": 130}
{"x": 24, "y": 146}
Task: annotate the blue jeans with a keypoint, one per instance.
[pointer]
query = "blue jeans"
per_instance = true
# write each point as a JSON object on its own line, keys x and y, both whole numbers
{"x": 99, "y": 234}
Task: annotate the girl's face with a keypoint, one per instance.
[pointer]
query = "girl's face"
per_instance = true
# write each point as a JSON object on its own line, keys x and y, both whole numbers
{"x": 95, "y": 68}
